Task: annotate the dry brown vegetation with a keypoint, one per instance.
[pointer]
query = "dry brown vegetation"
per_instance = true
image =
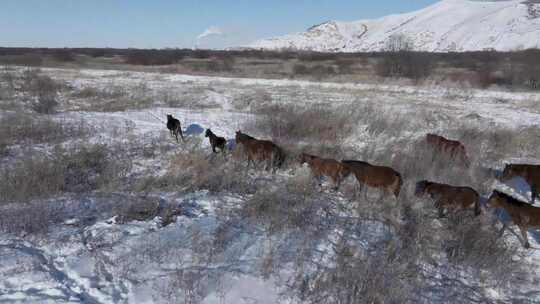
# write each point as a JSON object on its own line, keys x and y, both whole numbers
{"x": 82, "y": 169}
{"x": 515, "y": 70}
{"x": 24, "y": 129}
{"x": 402, "y": 257}
{"x": 195, "y": 169}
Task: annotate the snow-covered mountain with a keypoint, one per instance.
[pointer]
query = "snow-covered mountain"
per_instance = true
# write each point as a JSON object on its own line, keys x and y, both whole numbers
{"x": 448, "y": 25}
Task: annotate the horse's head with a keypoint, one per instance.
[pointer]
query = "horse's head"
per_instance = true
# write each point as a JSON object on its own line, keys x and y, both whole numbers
{"x": 239, "y": 136}
{"x": 242, "y": 137}
{"x": 421, "y": 187}
{"x": 207, "y": 133}
{"x": 169, "y": 117}
{"x": 495, "y": 200}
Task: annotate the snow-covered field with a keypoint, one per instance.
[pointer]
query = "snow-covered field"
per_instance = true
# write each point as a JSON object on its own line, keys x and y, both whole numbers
{"x": 444, "y": 26}
{"x": 90, "y": 255}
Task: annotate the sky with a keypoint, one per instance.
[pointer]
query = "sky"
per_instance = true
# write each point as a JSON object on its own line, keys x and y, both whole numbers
{"x": 174, "y": 24}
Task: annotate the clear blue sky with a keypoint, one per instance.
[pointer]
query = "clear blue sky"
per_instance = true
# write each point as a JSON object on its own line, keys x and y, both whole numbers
{"x": 168, "y": 23}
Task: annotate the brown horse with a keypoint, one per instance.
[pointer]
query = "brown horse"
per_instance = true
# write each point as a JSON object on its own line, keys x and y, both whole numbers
{"x": 376, "y": 176}
{"x": 174, "y": 127}
{"x": 449, "y": 197}
{"x": 452, "y": 148}
{"x": 530, "y": 173}
{"x": 331, "y": 168}
{"x": 216, "y": 141}
{"x": 261, "y": 150}
{"x": 522, "y": 214}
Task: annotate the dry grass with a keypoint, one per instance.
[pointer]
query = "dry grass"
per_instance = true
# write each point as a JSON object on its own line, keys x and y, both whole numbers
{"x": 24, "y": 129}
{"x": 317, "y": 123}
{"x": 196, "y": 168}
{"x": 115, "y": 97}
{"x": 83, "y": 169}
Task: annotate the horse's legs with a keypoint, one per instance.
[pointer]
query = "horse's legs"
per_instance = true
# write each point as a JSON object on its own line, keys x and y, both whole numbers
{"x": 441, "y": 212}
{"x": 337, "y": 182}
{"x": 501, "y": 232}
{"x": 523, "y": 230}
{"x": 176, "y": 136}
{"x": 268, "y": 164}
{"x": 224, "y": 152}
{"x": 440, "y": 209}
{"x": 534, "y": 193}
{"x": 366, "y": 193}
{"x": 249, "y": 160}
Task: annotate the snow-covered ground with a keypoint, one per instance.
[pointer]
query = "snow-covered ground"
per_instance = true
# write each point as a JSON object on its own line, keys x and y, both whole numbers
{"x": 441, "y": 27}
{"x": 91, "y": 256}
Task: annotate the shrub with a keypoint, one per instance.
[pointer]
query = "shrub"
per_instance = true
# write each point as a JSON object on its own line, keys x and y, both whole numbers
{"x": 413, "y": 65}
{"x": 319, "y": 71}
{"x": 289, "y": 123}
{"x": 300, "y": 69}
{"x": 29, "y": 218}
{"x": 63, "y": 55}
{"x": 28, "y": 129}
{"x": 43, "y": 88}
{"x": 154, "y": 57}
{"x": 80, "y": 170}
{"x": 293, "y": 205}
{"x": 194, "y": 169}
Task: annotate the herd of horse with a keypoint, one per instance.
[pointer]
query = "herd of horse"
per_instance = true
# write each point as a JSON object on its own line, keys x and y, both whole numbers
{"x": 447, "y": 198}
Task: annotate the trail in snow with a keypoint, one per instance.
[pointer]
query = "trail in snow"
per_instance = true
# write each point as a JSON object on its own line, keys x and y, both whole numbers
{"x": 68, "y": 286}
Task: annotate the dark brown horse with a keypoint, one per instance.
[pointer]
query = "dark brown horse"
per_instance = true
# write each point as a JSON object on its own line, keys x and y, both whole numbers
{"x": 451, "y": 148}
{"x": 216, "y": 141}
{"x": 449, "y": 197}
{"x": 261, "y": 150}
{"x": 174, "y": 127}
{"x": 331, "y": 168}
{"x": 530, "y": 173}
{"x": 376, "y": 176}
{"x": 522, "y": 214}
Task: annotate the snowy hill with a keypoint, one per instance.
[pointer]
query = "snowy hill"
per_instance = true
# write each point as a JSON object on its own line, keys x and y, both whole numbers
{"x": 448, "y": 25}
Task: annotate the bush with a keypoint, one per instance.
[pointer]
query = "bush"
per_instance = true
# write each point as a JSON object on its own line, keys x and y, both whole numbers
{"x": 293, "y": 205}
{"x": 319, "y": 71}
{"x": 64, "y": 55}
{"x": 19, "y": 128}
{"x": 154, "y": 57}
{"x": 194, "y": 169}
{"x": 413, "y": 65}
{"x": 80, "y": 170}
{"x": 317, "y": 123}
{"x": 43, "y": 88}
{"x": 300, "y": 69}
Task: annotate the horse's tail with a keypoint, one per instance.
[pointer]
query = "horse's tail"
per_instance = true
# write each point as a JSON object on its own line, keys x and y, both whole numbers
{"x": 398, "y": 183}
{"x": 477, "y": 209}
{"x": 279, "y": 156}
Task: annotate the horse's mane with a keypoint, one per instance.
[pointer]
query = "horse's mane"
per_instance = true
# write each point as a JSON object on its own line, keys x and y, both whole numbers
{"x": 245, "y": 135}
{"x": 350, "y": 161}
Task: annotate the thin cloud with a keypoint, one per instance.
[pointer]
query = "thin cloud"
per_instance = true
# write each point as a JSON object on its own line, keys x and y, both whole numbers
{"x": 211, "y": 31}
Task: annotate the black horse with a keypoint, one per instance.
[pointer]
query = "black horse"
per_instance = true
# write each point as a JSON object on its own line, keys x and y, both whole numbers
{"x": 174, "y": 127}
{"x": 216, "y": 141}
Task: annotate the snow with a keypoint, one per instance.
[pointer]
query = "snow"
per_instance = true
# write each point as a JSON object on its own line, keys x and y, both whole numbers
{"x": 441, "y": 27}
{"x": 81, "y": 262}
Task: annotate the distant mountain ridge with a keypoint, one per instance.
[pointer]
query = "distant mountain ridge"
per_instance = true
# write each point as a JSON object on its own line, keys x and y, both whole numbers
{"x": 448, "y": 25}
